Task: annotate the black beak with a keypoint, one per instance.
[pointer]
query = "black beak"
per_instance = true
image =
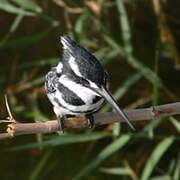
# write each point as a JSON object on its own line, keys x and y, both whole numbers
{"x": 108, "y": 97}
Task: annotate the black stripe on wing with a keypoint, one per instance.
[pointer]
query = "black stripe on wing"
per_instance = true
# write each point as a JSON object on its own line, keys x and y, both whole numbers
{"x": 71, "y": 111}
{"x": 69, "y": 96}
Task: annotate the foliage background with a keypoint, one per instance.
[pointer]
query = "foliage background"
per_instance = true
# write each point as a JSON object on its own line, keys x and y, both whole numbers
{"x": 138, "y": 43}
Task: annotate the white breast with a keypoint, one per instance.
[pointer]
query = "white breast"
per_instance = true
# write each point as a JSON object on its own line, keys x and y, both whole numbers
{"x": 86, "y": 94}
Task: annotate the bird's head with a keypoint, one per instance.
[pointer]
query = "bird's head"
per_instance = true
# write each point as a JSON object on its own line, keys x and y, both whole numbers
{"x": 82, "y": 63}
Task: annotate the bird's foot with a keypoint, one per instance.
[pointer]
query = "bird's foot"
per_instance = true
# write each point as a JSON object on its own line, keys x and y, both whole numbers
{"x": 90, "y": 118}
{"x": 61, "y": 123}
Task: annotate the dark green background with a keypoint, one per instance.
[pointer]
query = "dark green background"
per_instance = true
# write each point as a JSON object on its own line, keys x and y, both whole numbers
{"x": 29, "y": 46}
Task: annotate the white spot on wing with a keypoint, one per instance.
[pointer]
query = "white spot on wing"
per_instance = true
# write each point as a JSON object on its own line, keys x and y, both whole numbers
{"x": 59, "y": 67}
{"x": 74, "y": 66}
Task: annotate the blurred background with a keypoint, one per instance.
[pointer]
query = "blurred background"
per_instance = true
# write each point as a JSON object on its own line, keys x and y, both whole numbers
{"x": 137, "y": 41}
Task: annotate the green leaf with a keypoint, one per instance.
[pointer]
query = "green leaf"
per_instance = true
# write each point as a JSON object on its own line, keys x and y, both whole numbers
{"x": 125, "y": 27}
{"x": 40, "y": 165}
{"x": 116, "y": 171}
{"x": 29, "y": 4}
{"x": 41, "y": 62}
{"x": 146, "y": 71}
{"x": 64, "y": 139}
{"x": 155, "y": 157}
{"x": 155, "y": 84}
{"x": 33, "y": 39}
{"x": 38, "y": 81}
{"x": 175, "y": 123}
{"x": 163, "y": 177}
{"x": 108, "y": 151}
{"x": 109, "y": 56}
{"x": 176, "y": 175}
{"x": 10, "y": 8}
{"x": 117, "y": 129}
{"x": 16, "y": 23}
{"x": 81, "y": 23}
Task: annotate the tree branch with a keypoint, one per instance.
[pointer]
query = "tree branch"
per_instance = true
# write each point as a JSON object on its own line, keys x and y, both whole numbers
{"x": 15, "y": 129}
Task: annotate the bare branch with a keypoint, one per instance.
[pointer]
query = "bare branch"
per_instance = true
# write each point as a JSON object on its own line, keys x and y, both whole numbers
{"x": 15, "y": 129}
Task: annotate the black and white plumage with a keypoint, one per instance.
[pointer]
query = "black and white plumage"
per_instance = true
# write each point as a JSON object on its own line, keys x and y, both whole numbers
{"x": 78, "y": 84}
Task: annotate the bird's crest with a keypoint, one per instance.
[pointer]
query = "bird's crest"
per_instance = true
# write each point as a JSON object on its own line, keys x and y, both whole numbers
{"x": 68, "y": 43}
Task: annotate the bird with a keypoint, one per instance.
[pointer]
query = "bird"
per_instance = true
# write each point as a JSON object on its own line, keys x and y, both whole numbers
{"x": 78, "y": 85}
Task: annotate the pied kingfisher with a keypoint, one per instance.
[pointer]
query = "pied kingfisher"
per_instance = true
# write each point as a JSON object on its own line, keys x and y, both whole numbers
{"x": 78, "y": 85}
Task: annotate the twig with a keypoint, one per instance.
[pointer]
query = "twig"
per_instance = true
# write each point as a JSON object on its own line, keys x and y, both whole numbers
{"x": 10, "y": 118}
{"x": 67, "y": 8}
{"x": 15, "y": 129}
{"x": 131, "y": 171}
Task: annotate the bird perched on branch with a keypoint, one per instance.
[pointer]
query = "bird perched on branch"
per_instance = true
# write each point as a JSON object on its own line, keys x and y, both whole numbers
{"x": 78, "y": 85}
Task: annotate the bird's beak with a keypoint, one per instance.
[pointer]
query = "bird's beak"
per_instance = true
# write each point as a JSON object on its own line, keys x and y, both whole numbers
{"x": 108, "y": 97}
